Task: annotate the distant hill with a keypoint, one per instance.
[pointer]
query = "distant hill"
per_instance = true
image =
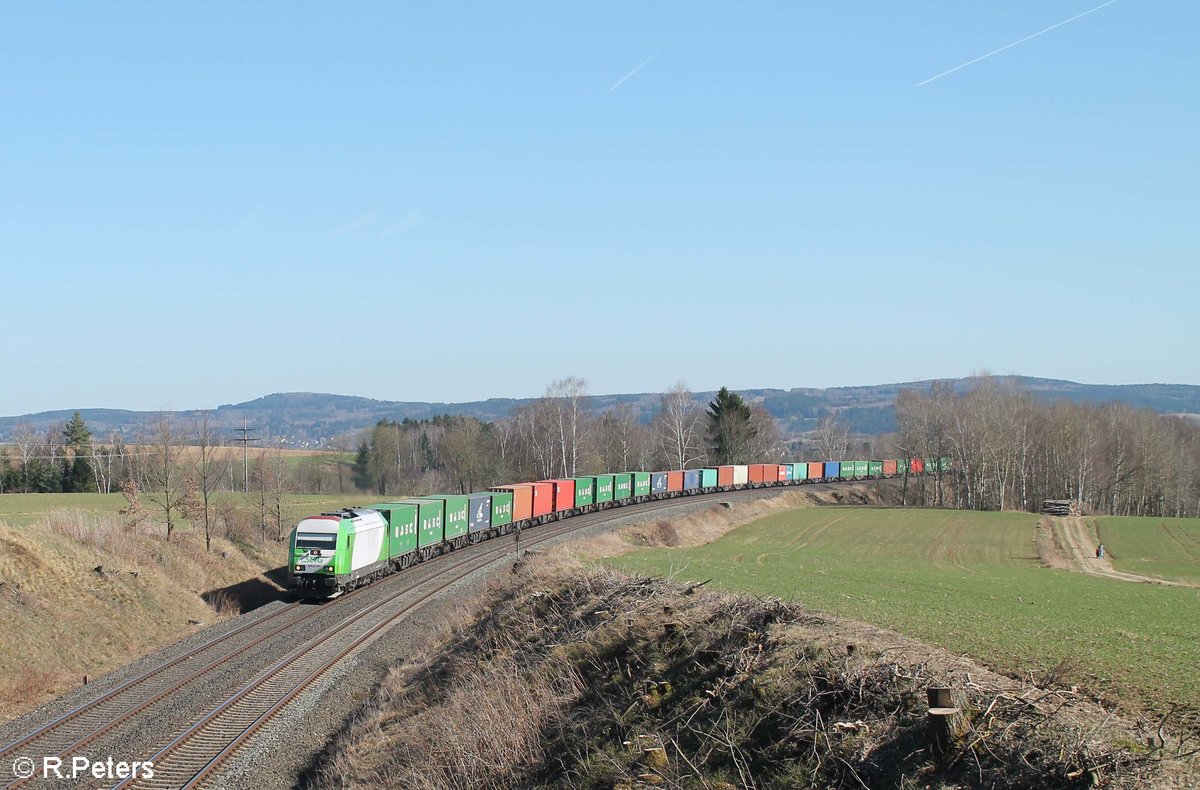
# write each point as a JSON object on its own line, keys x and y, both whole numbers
{"x": 309, "y": 419}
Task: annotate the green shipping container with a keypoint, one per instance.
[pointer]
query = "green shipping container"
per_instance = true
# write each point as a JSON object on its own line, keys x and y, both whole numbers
{"x": 402, "y": 527}
{"x": 502, "y": 502}
{"x": 875, "y": 468}
{"x": 430, "y": 520}
{"x": 457, "y": 519}
{"x": 861, "y": 468}
{"x": 708, "y": 478}
{"x": 800, "y": 471}
{"x": 604, "y": 488}
{"x": 585, "y": 491}
{"x": 931, "y": 465}
{"x": 945, "y": 464}
{"x": 623, "y": 485}
{"x": 641, "y": 484}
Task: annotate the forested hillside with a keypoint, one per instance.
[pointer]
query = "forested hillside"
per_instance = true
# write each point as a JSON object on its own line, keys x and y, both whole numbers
{"x": 303, "y": 419}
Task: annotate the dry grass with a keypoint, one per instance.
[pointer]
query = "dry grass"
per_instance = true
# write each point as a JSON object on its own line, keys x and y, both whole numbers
{"x": 569, "y": 677}
{"x": 83, "y": 593}
{"x": 701, "y": 527}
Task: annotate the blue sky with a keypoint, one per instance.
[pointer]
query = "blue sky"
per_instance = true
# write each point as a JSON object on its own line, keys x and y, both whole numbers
{"x": 204, "y": 203}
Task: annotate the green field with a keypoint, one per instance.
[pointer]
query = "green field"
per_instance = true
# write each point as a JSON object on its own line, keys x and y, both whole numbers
{"x": 22, "y": 509}
{"x": 970, "y": 582}
{"x": 1168, "y": 548}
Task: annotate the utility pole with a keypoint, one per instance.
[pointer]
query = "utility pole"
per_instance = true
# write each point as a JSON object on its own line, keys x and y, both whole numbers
{"x": 245, "y": 440}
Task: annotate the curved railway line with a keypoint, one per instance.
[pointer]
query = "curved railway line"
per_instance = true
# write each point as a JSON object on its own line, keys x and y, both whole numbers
{"x": 193, "y": 755}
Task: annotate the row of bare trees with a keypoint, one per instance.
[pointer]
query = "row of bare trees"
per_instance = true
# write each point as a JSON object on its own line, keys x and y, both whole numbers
{"x": 175, "y": 472}
{"x": 63, "y": 458}
{"x": 1011, "y": 451}
{"x": 557, "y": 435}
{"x": 185, "y": 473}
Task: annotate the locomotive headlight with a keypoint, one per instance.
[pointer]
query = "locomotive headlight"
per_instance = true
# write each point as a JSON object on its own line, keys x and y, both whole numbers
{"x": 299, "y": 567}
{"x": 329, "y": 568}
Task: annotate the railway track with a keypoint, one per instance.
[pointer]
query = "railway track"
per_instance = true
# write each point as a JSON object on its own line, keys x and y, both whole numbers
{"x": 73, "y": 728}
{"x": 195, "y": 753}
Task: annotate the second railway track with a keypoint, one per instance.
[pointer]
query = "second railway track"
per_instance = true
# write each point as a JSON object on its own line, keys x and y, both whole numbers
{"x": 193, "y": 754}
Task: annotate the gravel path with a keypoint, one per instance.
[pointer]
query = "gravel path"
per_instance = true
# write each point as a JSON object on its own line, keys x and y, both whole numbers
{"x": 1076, "y": 538}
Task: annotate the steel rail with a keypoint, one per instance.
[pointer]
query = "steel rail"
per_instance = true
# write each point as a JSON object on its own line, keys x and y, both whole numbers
{"x": 132, "y": 683}
{"x": 220, "y": 733}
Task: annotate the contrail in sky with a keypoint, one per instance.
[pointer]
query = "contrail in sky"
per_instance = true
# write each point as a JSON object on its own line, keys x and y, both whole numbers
{"x": 1006, "y": 46}
{"x": 638, "y": 68}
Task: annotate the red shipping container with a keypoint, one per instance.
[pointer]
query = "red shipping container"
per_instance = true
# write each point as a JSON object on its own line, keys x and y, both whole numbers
{"x": 543, "y": 498}
{"x": 918, "y": 465}
{"x": 522, "y": 500}
{"x": 675, "y": 481}
{"x": 564, "y": 493}
{"x": 890, "y": 467}
{"x": 758, "y": 473}
{"x": 724, "y": 475}
{"x": 781, "y": 471}
{"x": 816, "y": 470}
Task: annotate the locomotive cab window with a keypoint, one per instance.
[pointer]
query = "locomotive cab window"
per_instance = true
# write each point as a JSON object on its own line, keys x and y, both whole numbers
{"x": 311, "y": 540}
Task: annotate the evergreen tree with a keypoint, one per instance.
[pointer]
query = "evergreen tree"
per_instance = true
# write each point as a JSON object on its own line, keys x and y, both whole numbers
{"x": 360, "y": 472}
{"x": 77, "y": 473}
{"x": 730, "y": 429}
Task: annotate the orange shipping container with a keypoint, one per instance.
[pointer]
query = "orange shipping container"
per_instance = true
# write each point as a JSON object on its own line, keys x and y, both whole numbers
{"x": 675, "y": 481}
{"x": 918, "y": 465}
{"x": 724, "y": 475}
{"x": 522, "y": 500}
{"x": 564, "y": 493}
{"x": 781, "y": 471}
{"x": 890, "y": 467}
{"x": 758, "y": 473}
{"x": 816, "y": 470}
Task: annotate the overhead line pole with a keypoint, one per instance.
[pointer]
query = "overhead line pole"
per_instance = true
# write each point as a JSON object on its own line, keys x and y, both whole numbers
{"x": 245, "y": 440}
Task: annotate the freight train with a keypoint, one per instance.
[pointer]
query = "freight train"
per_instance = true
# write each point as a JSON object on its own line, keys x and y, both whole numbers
{"x": 335, "y": 552}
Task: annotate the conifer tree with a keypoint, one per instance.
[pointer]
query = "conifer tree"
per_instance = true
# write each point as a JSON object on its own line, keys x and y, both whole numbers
{"x": 731, "y": 430}
{"x": 78, "y": 475}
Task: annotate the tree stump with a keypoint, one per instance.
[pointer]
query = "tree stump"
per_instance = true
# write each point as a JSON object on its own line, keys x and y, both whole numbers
{"x": 945, "y": 724}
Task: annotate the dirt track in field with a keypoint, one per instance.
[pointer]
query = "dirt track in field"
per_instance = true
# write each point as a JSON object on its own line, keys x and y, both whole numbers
{"x": 1074, "y": 549}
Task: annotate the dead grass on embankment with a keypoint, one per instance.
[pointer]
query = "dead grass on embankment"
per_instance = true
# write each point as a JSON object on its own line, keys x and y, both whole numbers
{"x": 704, "y": 526}
{"x": 83, "y": 594}
{"x": 568, "y": 676}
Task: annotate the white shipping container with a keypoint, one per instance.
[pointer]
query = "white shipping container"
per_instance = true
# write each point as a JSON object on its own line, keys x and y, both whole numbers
{"x": 741, "y": 475}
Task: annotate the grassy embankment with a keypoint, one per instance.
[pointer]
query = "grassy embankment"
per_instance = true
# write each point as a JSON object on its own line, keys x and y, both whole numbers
{"x": 561, "y": 677}
{"x": 82, "y": 593}
{"x": 973, "y": 583}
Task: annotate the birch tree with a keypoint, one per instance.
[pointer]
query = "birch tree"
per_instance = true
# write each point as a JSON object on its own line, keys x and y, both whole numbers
{"x": 167, "y": 484}
{"x": 678, "y": 428}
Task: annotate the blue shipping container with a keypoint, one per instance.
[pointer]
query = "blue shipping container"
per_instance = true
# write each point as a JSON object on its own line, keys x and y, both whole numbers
{"x": 479, "y": 508}
{"x": 691, "y": 479}
{"x": 832, "y": 468}
{"x": 658, "y": 482}
{"x": 791, "y": 470}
